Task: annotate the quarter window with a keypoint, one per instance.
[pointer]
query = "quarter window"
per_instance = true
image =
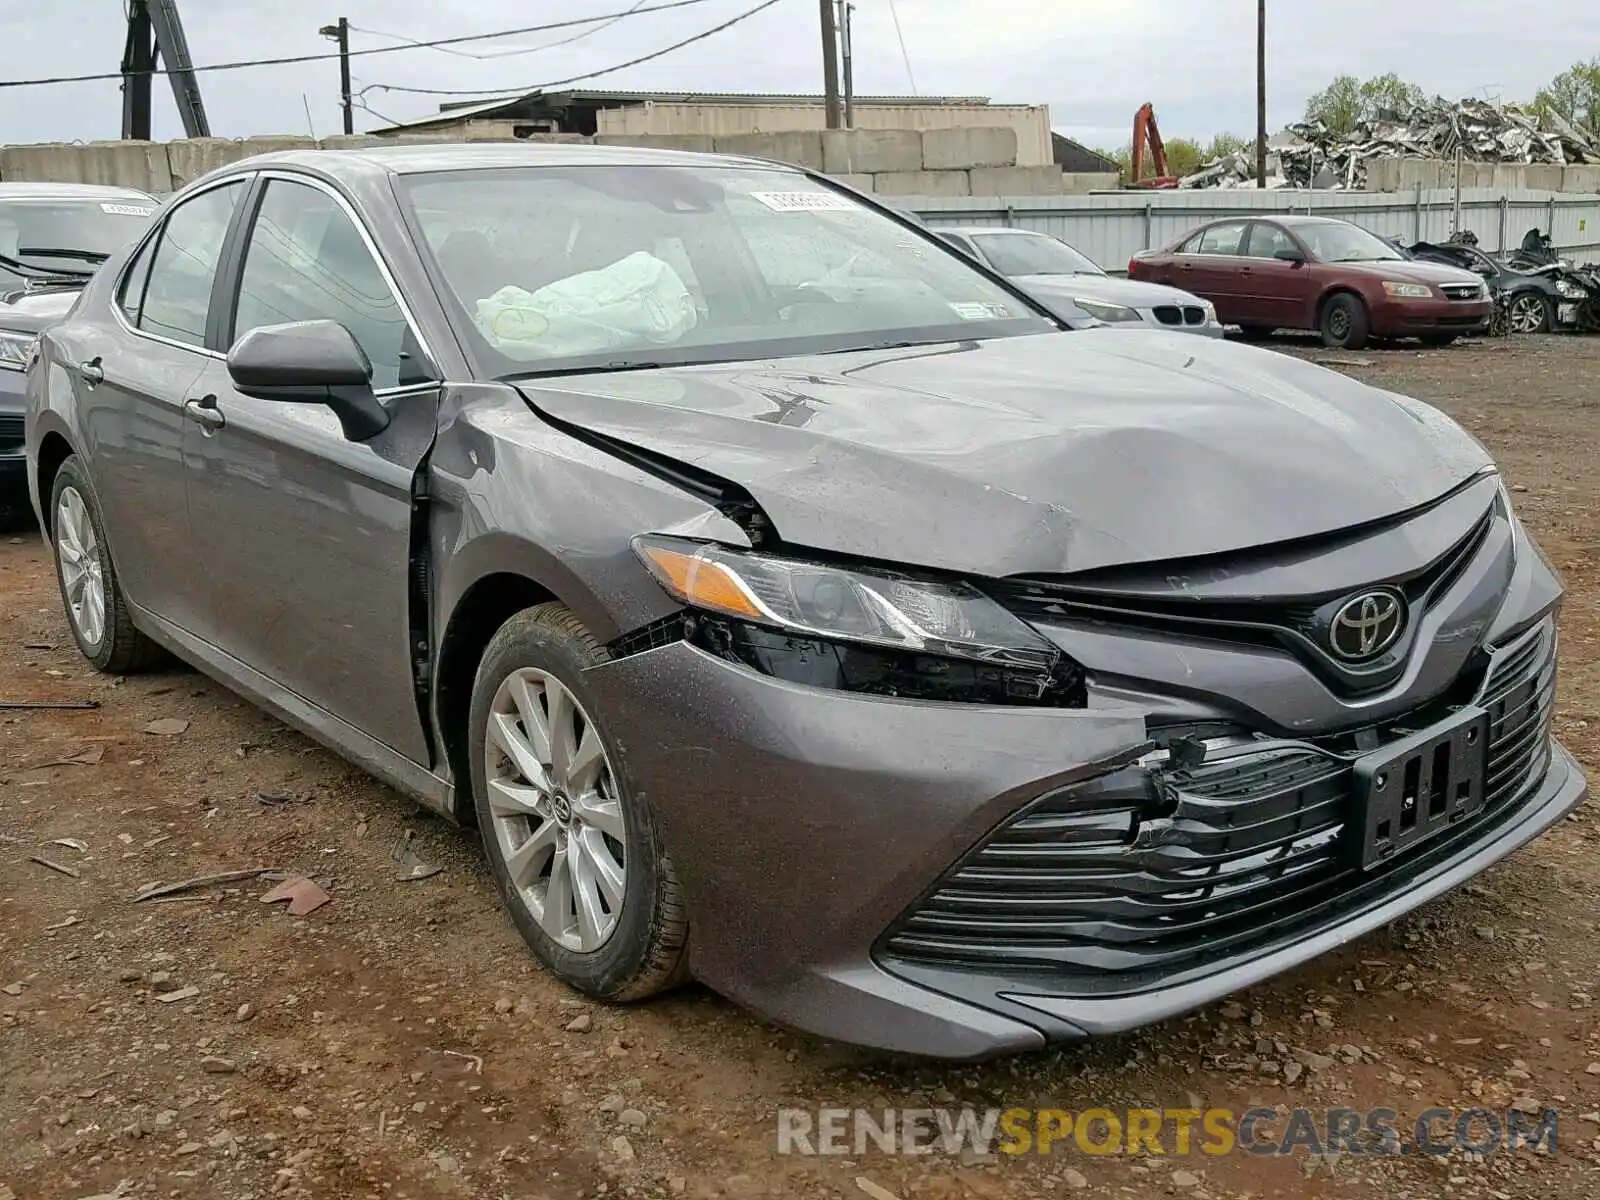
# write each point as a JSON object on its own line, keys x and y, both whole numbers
{"x": 177, "y": 294}
{"x": 133, "y": 283}
{"x": 307, "y": 261}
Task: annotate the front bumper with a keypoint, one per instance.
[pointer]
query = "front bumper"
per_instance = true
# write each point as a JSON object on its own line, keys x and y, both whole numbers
{"x": 13, "y": 455}
{"x": 1416, "y": 318}
{"x": 805, "y": 825}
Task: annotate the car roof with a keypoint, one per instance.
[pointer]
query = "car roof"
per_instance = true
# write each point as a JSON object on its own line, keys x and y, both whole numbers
{"x": 68, "y": 191}
{"x": 1294, "y": 219}
{"x": 969, "y": 230}
{"x": 402, "y": 159}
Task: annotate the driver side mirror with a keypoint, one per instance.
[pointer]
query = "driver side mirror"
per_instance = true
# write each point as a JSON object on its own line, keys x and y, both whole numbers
{"x": 316, "y": 362}
{"x": 1289, "y": 254}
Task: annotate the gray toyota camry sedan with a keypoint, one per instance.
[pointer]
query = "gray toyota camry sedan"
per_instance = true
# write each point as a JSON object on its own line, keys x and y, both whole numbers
{"x": 790, "y": 601}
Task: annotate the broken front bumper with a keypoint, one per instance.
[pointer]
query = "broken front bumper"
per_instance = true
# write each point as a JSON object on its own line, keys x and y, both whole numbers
{"x": 813, "y": 829}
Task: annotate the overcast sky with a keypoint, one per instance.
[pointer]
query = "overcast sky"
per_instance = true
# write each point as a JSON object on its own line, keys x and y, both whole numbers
{"x": 1092, "y": 61}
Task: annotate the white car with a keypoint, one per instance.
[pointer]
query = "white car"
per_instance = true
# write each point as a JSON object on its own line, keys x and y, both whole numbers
{"x": 1053, "y": 272}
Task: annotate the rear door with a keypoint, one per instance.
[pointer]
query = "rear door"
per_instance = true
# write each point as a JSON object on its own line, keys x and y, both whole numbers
{"x": 132, "y": 369}
{"x": 1276, "y": 294}
{"x": 307, "y": 536}
{"x": 1214, "y": 270}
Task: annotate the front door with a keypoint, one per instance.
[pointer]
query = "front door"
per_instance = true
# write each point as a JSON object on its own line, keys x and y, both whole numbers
{"x": 307, "y": 536}
{"x": 132, "y": 375}
{"x": 1278, "y": 294}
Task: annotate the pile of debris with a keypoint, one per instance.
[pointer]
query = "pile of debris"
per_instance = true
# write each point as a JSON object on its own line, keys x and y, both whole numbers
{"x": 1309, "y": 155}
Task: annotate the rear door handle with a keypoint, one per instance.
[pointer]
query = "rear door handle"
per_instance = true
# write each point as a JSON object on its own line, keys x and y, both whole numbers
{"x": 90, "y": 372}
{"x": 205, "y": 413}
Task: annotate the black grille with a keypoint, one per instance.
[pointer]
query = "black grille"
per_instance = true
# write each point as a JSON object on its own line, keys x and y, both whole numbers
{"x": 1246, "y": 844}
{"x": 1193, "y": 315}
{"x": 10, "y": 428}
{"x": 1168, "y": 314}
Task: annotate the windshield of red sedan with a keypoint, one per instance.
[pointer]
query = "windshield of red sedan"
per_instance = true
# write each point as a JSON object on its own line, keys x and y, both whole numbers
{"x": 1338, "y": 242}
{"x": 573, "y": 268}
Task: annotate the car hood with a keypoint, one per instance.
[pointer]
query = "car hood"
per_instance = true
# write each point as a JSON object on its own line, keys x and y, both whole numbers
{"x": 1039, "y": 454}
{"x": 1108, "y": 288}
{"x": 32, "y": 311}
{"x": 1408, "y": 270}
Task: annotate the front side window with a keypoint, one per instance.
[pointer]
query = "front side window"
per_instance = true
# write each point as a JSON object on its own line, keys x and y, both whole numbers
{"x": 1221, "y": 239}
{"x": 177, "y": 296}
{"x": 307, "y": 261}
{"x": 569, "y": 268}
{"x": 1033, "y": 254}
{"x": 1266, "y": 240}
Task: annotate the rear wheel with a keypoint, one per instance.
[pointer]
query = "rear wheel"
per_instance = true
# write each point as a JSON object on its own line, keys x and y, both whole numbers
{"x": 97, "y": 612}
{"x": 572, "y": 846}
{"x": 1344, "y": 322}
{"x": 1529, "y": 313}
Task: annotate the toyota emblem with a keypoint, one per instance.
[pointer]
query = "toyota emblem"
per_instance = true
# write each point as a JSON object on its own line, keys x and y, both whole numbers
{"x": 1366, "y": 625}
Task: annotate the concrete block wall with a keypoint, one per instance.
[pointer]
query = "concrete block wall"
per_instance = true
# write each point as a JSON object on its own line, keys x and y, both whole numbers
{"x": 1409, "y": 174}
{"x": 900, "y": 162}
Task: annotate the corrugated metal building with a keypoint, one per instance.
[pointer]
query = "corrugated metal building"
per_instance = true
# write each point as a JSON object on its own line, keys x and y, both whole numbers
{"x": 725, "y": 114}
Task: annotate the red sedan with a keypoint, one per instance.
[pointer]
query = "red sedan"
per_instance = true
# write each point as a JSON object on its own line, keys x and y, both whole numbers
{"x": 1296, "y": 272}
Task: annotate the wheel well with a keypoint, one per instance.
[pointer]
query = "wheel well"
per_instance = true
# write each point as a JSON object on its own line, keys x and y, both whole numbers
{"x": 53, "y": 451}
{"x": 488, "y": 604}
{"x": 1327, "y": 299}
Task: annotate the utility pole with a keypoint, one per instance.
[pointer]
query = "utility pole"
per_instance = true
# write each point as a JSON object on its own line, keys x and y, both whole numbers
{"x": 1261, "y": 93}
{"x": 846, "y": 10}
{"x": 341, "y": 34}
{"x": 830, "y": 65}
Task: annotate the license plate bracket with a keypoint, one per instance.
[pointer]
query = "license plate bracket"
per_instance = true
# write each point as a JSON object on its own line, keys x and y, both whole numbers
{"x": 1416, "y": 788}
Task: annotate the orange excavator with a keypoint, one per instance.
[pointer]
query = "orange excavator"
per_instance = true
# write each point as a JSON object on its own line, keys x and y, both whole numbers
{"x": 1147, "y": 140}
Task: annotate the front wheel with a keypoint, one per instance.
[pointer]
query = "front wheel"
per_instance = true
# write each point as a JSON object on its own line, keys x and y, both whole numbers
{"x": 1530, "y": 313}
{"x": 1344, "y": 322}
{"x": 97, "y": 611}
{"x": 574, "y": 849}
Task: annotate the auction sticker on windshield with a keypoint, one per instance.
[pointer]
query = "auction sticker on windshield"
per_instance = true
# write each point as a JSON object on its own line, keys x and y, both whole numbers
{"x": 805, "y": 201}
{"x": 979, "y": 310}
{"x": 127, "y": 210}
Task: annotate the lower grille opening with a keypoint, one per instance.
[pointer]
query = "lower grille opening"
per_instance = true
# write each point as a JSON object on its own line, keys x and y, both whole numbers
{"x": 1126, "y": 877}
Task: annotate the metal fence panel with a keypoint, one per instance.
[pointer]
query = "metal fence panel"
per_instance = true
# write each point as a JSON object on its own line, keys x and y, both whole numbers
{"x": 1110, "y": 227}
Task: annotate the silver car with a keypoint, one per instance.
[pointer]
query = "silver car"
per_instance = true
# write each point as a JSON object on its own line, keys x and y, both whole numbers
{"x": 1053, "y": 272}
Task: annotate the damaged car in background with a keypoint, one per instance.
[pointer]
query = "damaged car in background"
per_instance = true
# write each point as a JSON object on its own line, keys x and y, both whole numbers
{"x": 793, "y": 604}
{"x": 1065, "y": 281}
{"x": 52, "y": 237}
{"x": 1538, "y": 294}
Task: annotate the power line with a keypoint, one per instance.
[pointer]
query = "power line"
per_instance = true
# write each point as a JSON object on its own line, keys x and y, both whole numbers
{"x": 522, "y": 89}
{"x": 514, "y": 53}
{"x": 293, "y": 59}
{"x": 895, "y": 13}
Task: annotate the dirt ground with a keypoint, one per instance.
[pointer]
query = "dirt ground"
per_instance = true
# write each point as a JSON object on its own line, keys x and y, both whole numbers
{"x": 398, "y": 1042}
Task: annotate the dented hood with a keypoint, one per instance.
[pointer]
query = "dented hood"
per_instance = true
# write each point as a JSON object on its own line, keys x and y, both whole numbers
{"x": 1049, "y": 453}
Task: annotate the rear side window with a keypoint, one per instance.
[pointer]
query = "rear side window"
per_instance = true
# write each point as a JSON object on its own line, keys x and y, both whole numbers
{"x": 307, "y": 261}
{"x": 177, "y": 294}
{"x": 1221, "y": 239}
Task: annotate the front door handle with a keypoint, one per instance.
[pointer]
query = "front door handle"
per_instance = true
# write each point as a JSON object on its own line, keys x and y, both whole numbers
{"x": 205, "y": 412}
{"x": 91, "y": 372}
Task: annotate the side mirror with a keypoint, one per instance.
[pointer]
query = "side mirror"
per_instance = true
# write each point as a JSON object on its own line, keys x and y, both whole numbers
{"x": 316, "y": 362}
{"x": 1289, "y": 254}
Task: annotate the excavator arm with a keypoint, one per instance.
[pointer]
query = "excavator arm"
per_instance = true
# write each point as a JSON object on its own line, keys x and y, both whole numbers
{"x": 1147, "y": 141}
{"x": 155, "y": 31}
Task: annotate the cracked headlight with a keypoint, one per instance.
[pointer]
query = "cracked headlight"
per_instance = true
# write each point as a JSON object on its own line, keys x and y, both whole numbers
{"x": 859, "y": 604}
{"x": 1407, "y": 291}
{"x": 1570, "y": 289}
{"x": 1113, "y": 314}
{"x": 16, "y": 349}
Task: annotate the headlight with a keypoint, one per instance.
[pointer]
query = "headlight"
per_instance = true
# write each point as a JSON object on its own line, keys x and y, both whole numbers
{"x": 876, "y": 607}
{"x": 1113, "y": 313}
{"x": 1408, "y": 291}
{"x": 1211, "y": 312}
{"x": 1570, "y": 289}
{"x": 16, "y": 349}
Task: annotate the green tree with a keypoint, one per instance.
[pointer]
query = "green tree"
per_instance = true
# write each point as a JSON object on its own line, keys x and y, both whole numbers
{"x": 1224, "y": 144}
{"x": 1389, "y": 94}
{"x": 1337, "y": 106}
{"x": 1574, "y": 95}
{"x": 1183, "y": 158}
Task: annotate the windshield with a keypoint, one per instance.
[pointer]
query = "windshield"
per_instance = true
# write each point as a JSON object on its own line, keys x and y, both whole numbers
{"x": 1032, "y": 254}
{"x": 1333, "y": 243}
{"x": 96, "y": 227}
{"x": 572, "y": 268}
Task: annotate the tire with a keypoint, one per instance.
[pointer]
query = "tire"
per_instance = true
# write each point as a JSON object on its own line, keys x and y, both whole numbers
{"x": 1344, "y": 322}
{"x": 1530, "y": 312}
{"x": 587, "y": 829}
{"x": 99, "y": 617}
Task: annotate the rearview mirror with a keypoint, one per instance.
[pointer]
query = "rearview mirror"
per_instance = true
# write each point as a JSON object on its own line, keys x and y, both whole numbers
{"x": 1289, "y": 254}
{"x": 316, "y": 362}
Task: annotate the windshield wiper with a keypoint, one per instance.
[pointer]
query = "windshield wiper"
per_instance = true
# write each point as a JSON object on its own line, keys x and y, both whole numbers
{"x": 93, "y": 256}
{"x": 33, "y": 271}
